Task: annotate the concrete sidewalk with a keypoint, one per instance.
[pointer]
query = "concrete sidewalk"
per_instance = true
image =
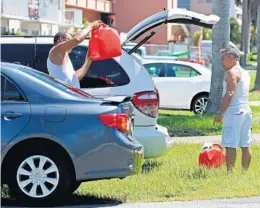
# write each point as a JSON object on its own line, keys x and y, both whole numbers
{"x": 254, "y": 103}
{"x": 210, "y": 139}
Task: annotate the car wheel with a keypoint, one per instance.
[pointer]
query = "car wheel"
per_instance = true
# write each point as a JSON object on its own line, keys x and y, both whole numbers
{"x": 74, "y": 186}
{"x": 199, "y": 104}
{"x": 39, "y": 177}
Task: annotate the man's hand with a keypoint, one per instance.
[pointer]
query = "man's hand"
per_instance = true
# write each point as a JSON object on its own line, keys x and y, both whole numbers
{"x": 218, "y": 118}
{"x": 95, "y": 25}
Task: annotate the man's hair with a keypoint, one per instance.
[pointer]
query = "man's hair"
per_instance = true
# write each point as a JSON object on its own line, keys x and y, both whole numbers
{"x": 230, "y": 52}
{"x": 58, "y": 36}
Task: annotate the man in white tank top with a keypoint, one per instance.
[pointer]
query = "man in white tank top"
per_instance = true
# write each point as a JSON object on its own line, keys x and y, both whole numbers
{"x": 235, "y": 110}
{"x": 59, "y": 64}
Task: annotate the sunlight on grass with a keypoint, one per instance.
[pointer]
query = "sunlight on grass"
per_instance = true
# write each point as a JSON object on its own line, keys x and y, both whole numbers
{"x": 253, "y": 95}
{"x": 185, "y": 123}
{"x": 177, "y": 176}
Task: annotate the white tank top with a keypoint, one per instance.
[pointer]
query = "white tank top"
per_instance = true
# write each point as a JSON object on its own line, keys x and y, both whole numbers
{"x": 65, "y": 73}
{"x": 239, "y": 100}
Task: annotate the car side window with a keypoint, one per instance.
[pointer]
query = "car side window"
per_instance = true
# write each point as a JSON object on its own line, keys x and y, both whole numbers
{"x": 18, "y": 53}
{"x": 106, "y": 73}
{"x": 178, "y": 70}
{"x": 42, "y": 53}
{"x": 9, "y": 91}
{"x": 2, "y": 87}
{"x": 78, "y": 56}
{"x": 155, "y": 69}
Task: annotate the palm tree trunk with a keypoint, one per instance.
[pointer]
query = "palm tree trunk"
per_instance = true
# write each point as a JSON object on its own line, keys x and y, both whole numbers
{"x": 257, "y": 81}
{"x": 248, "y": 31}
{"x": 244, "y": 34}
{"x": 220, "y": 39}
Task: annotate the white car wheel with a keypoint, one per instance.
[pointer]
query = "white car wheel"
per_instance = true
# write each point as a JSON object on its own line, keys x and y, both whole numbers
{"x": 200, "y": 105}
{"x": 39, "y": 174}
{"x": 40, "y": 181}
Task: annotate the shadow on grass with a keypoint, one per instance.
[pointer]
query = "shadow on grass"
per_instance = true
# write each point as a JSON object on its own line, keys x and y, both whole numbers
{"x": 151, "y": 165}
{"x": 195, "y": 174}
{"x": 74, "y": 200}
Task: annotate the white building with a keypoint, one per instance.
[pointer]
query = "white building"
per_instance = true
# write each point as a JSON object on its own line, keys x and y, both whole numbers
{"x": 38, "y": 17}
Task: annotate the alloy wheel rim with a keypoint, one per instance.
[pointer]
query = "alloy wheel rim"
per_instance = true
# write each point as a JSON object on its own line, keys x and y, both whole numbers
{"x": 200, "y": 105}
{"x": 37, "y": 176}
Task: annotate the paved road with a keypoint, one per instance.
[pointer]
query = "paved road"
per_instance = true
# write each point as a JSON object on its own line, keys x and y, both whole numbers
{"x": 249, "y": 202}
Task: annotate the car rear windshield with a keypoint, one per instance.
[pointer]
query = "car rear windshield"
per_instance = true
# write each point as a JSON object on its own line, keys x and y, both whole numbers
{"x": 101, "y": 74}
{"x": 54, "y": 82}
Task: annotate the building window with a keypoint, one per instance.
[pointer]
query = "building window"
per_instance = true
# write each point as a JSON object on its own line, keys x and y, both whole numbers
{"x": 3, "y": 30}
{"x": 35, "y": 32}
{"x": 184, "y": 4}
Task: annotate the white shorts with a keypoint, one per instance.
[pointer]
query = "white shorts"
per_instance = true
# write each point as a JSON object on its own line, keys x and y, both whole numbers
{"x": 237, "y": 129}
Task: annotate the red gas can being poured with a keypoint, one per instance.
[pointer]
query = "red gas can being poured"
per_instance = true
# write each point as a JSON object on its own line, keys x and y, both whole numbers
{"x": 212, "y": 155}
{"x": 104, "y": 43}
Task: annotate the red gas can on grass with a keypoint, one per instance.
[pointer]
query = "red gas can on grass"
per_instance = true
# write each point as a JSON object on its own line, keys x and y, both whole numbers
{"x": 212, "y": 155}
{"x": 104, "y": 43}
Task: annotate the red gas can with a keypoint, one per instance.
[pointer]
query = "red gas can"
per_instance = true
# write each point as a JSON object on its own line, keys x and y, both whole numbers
{"x": 104, "y": 43}
{"x": 212, "y": 155}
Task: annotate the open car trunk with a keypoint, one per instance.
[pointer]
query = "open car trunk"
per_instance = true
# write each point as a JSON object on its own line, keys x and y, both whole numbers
{"x": 154, "y": 22}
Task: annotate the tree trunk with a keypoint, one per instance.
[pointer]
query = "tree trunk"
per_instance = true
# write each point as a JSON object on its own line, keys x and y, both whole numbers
{"x": 244, "y": 34}
{"x": 220, "y": 40}
{"x": 257, "y": 81}
{"x": 248, "y": 31}
{"x": 248, "y": 34}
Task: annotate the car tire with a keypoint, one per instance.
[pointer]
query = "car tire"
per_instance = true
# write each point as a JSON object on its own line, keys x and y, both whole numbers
{"x": 199, "y": 104}
{"x": 39, "y": 176}
{"x": 74, "y": 186}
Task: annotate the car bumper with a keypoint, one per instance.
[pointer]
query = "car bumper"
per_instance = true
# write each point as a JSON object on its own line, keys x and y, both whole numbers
{"x": 119, "y": 161}
{"x": 138, "y": 160}
{"x": 155, "y": 140}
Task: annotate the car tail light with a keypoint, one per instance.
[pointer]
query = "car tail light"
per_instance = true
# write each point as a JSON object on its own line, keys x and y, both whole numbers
{"x": 147, "y": 102}
{"x": 117, "y": 121}
{"x": 157, "y": 92}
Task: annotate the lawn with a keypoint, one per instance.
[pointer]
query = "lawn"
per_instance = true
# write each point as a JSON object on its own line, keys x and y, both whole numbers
{"x": 253, "y": 95}
{"x": 177, "y": 176}
{"x": 185, "y": 123}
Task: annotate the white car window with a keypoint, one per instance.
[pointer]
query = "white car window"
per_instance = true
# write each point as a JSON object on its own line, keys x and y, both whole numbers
{"x": 178, "y": 70}
{"x": 155, "y": 69}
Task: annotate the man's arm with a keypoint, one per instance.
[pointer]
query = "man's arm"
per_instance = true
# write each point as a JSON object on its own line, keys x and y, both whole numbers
{"x": 231, "y": 80}
{"x": 78, "y": 38}
{"x": 80, "y": 73}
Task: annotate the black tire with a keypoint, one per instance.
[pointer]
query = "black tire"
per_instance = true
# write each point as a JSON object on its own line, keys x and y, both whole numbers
{"x": 64, "y": 181}
{"x": 74, "y": 186}
{"x": 196, "y": 101}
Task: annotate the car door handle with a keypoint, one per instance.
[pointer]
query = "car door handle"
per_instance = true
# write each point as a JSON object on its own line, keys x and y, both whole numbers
{"x": 11, "y": 115}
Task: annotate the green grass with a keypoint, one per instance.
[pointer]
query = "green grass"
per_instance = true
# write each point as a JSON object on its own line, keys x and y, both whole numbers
{"x": 252, "y": 63}
{"x": 185, "y": 123}
{"x": 253, "y": 95}
{"x": 177, "y": 176}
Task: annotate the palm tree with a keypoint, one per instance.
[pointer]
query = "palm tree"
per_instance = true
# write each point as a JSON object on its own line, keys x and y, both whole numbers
{"x": 220, "y": 39}
{"x": 249, "y": 16}
{"x": 257, "y": 81}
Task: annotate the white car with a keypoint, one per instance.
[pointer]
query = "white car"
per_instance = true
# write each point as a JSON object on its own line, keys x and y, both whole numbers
{"x": 181, "y": 85}
{"x": 123, "y": 75}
